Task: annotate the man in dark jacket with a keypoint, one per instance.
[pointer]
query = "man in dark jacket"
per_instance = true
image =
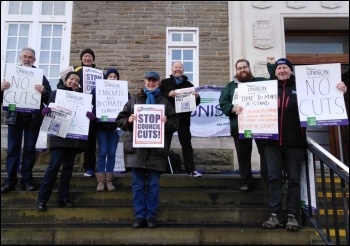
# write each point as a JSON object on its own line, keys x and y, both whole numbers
{"x": 167, "y": 87}
{"x": 23, "y": 124}
{"x": 147, "y": 163}
{"x": 87, "y": 57}
{"x": 243, "y": 146}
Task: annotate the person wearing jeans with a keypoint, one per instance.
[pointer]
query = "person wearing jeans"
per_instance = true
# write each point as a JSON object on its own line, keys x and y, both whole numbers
{"x": 146, "y": 163}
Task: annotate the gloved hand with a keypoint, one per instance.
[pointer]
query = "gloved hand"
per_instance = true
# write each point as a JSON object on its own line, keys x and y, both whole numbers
{"x": 90, "y": 115}
{"x": 46, "y": 111}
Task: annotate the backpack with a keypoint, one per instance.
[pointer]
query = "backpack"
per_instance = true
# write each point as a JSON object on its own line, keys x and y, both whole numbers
{"x": 175, "y": 161}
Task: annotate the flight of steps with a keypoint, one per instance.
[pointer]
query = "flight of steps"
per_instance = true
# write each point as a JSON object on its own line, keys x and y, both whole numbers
{"x": 206, "y": 210}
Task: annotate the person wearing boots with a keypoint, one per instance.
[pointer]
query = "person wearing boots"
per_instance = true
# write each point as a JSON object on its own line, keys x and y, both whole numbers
{"x": 107, "y": 139}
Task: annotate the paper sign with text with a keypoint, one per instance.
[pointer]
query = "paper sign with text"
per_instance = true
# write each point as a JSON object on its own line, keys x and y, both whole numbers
{"x": 320, "y": 102}
{"x": 90, "y": 75}
{"x": 185, "y": 101}
{"x": 259, "y": 118}
{"x": 111, "y": 96}
{"x": 148, "y": 127}
{"x": 80, "y": 103}
{"x": 22, "y": 95}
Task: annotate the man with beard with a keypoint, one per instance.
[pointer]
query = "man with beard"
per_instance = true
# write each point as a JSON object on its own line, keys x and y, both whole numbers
{"x": 243, "y": 146}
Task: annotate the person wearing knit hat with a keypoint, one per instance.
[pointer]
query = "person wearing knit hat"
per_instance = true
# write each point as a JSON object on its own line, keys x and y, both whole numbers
{"x": 88, "y": 51}
{"x": 288, "y": 152}
{"x": 283, "y": 61}
{"x": 112, "y": 73}
{"x": 87, "y": 57}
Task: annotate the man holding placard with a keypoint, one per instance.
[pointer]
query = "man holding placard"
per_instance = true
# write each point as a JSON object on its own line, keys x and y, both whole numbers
{"x": 170, "y": 88}
{"x": 22, "y": 119}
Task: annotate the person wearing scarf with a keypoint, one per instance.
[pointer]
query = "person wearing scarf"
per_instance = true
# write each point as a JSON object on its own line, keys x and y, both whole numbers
{"x": 146, "y": 164}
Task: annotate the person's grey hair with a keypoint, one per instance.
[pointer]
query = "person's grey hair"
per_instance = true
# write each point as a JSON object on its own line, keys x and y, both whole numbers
{"x": 28, "y": 49}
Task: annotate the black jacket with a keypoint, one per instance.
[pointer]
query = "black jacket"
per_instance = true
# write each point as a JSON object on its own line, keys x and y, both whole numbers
{"x": 149, "y": 158}
{"x": 170, "y": 84}
{"x": 58, "y": 142}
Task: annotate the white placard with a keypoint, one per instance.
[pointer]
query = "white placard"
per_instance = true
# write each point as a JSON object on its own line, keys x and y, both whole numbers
{"x": 80, "y": 103}
{"x": 259, "y": 117}
{"x": 119, "y": 159}
{"x": 185, "y": 101}
{"x": 148, "y": 127}
{"x": 320, "y": 102}
{"x": 22, "y": 95}
{"x": 111, "y": 96}
{"x": 41, "y": 142}
{"x": 90, "y": 75}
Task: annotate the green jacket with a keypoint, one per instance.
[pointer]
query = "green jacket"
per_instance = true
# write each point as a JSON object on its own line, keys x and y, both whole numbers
{"x": 226, "y": 105}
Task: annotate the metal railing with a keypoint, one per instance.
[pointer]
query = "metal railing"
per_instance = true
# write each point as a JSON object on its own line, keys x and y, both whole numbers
{"x": 330, "y": 216}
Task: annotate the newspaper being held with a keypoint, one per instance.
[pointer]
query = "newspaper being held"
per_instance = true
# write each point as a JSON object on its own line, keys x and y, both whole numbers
{"x": 57, "y": 122}
{"x": 235, "y": 98}
{"x": 184, "y": 100}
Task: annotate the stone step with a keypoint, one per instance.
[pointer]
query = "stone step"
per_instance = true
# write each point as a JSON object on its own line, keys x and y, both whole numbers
{"x": 179, "y": 234}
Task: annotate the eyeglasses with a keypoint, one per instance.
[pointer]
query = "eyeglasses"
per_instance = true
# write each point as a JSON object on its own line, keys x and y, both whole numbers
{"x": 241, "y": 68}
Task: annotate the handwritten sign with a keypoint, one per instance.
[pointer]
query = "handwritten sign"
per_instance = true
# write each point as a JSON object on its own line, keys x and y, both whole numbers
{"x": 259, "y": 118}
{"x": 320, "y": 102}
{"x": 111, "y": 96}
{"x": 90, "y": 75}
{"x": 148, "y": 128}
{"x": 80, "y": 103}
{"x": 22, "y": 96}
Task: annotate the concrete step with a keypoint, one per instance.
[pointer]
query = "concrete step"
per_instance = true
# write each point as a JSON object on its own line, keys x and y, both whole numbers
{"x": 179, "y": 234}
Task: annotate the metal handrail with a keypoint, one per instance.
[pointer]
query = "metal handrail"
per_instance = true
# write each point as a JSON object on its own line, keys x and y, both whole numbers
{"x": 332, "y": 226}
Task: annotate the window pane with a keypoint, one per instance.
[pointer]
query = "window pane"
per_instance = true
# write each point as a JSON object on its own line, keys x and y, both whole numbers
{"x": 10, "y": 57}
{"x": 55, "y": 57}
{"x": 176, "y": 55}
{"x": 46, "y": 8}
{"x": 60, "y": 8}
{"x": 188, "y": 55}
{"x": 46, "y": 31}
{"x": 44, "y": 57}
{"x": 188, "y": 37}
{"x": 22, "y": 42}
{"x": 45, "y": 69}
{"x": 188, "y": 66}
{"x": 24, "y": 30}
{"x": 56, "y": 43}
{"x": 189, "y": 76}
{"x": 57, "y": 31}
{"x": 14, "y": 7}
{"x": 27, "y": 7}
{"x": 13, "y": 30}
{"x": 54, "y": 71}
{"x": 176, "y": 37}
{"x": 45, "y": 44}
{"x": 317, "y": 44}
{"x": 11, "y": 43}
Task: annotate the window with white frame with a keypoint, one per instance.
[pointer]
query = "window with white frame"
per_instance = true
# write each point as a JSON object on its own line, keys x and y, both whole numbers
{"x": 182, "y": 45}
{"x": 43, "y": 26}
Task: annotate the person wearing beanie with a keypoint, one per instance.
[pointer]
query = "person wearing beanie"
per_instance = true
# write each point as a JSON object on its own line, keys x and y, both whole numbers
{"x": 112, "y": 73}
{"x": 288, "y": 152}
{"x": 62, "y": 153}
{"x": 107, "y": 139}
{"x": 87, "y": 51}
